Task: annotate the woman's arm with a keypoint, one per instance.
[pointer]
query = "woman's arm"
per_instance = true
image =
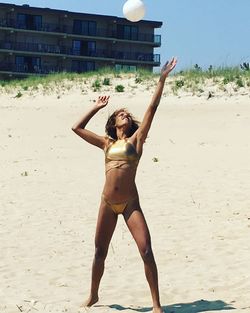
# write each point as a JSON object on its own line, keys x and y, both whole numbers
{"x": 142, "y": 131}
{"x": 79, "y": 127}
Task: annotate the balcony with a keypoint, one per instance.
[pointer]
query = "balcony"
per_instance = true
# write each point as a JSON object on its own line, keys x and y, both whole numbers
{"x": 101, "y": 54}
{"x": 23, "y": 69}
{"x": 136, "y": 56}
{"x": 69, "y": 31}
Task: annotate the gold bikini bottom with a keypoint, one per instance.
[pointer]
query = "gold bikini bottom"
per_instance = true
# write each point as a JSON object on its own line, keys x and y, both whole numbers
{"x": 118, "y": 208}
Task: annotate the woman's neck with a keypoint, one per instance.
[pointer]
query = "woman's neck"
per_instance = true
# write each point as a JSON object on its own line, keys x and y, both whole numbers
{"x": 121, "y": 134}
{"x": 122, "y": 138}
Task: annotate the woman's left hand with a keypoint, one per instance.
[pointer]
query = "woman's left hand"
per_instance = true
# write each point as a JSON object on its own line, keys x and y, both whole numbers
{"x": 168, "y": 67}
{"x": 101, "y": 102}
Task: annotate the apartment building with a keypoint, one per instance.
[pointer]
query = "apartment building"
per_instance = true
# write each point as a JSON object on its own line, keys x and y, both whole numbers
{"x": 43, "y": 40}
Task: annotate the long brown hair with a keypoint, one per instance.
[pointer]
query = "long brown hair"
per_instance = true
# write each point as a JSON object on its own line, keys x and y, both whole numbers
{"x": 110, "y": 127}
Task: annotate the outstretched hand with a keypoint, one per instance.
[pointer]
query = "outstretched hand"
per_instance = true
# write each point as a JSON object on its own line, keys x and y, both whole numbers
{"x": 168, "y": 67}
{"x": 102, "y": 101}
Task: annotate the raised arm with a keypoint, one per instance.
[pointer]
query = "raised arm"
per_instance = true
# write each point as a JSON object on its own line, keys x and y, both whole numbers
{"x": 142, "y": 131}
{"x": 79, "y": 127}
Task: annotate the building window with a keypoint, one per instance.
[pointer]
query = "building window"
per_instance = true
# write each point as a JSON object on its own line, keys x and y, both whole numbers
{"x": 87, "y": 28}
{"x": 91, "y": 47}
{"x": 28, "y": 21}
{"x": 21, "y": 21}
{"x": 127, "y": 32}
{"x": 134, "y": 33}
{"x": 37, "y": 22}
{"x": 28, "y": 64}
{"x": 82, "y": 66}
{"x": 76, "y": 47}
{"x": 126, "y": 68}
{"x": 92, "y": 28}
{"x": 85, "y": 48}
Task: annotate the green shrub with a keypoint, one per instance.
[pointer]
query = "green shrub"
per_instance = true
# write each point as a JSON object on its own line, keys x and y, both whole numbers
{"x": 228, "y": 79}
{"x": 3, "y": 83}
{"x": 138, "y": 80}
{"x": 239, "y": 82}
{"x": 18, "y": 95}
{"x": 106, "y": 81}
{"x": 96, "y": 85}
{"x": 119, "y": 88}
{"x": 179, "y": 83}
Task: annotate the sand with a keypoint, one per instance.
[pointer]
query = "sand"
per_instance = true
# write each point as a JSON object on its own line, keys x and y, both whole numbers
{"x": 194, "y": 186}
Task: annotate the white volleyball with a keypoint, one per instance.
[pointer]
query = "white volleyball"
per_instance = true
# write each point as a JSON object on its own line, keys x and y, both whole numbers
{"x": 134, "y": 10}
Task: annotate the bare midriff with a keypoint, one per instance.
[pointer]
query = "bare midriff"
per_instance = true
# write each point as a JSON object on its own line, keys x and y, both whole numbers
{"x": 120, "y": 183}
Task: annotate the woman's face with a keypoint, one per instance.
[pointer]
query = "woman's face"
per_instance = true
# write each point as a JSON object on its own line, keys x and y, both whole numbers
{"x": 123, "y": 118}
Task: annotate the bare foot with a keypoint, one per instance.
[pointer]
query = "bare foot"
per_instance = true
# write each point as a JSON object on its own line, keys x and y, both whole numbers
{"x": 91, "y": 300}
{"x": 157, "y": 310}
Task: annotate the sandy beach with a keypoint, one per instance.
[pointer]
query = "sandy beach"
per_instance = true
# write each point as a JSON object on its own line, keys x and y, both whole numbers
{"x": 194, "y": 186}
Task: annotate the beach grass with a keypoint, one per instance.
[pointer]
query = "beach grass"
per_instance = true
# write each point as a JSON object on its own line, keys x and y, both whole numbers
{"x": 193, "y": 79}
{"x": 190, "y": 79}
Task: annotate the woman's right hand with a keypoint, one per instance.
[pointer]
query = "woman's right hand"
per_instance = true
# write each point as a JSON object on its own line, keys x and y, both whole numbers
{"x": 101, "y": 102}
{"x": 168, "y": 67}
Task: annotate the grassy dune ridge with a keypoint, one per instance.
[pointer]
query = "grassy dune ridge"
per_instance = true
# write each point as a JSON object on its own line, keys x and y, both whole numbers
{"x": 195, "y": 82}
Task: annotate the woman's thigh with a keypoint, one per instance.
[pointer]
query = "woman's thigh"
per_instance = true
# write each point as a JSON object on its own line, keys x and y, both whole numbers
{"x": 106, "y": 223}
{"x": 137, "y": 225}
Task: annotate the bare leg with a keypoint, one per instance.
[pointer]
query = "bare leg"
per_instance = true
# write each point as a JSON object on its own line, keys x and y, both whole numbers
{"x": 138, "y": 227}
{"x": 106, "y": 223}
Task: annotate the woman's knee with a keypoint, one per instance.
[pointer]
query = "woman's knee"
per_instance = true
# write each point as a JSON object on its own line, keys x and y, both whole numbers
{"x": 147, "y": 254}
{"x": 100, "y": 253}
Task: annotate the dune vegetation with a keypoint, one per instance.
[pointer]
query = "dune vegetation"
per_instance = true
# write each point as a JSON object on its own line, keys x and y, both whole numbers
{"x": 195, "y": 81}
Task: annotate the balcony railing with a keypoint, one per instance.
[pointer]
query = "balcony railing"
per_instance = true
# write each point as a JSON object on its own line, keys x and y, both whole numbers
{"x": 24, "y": 69}
{"x": 63, "y": 50}
{"x": 64, "y": 29}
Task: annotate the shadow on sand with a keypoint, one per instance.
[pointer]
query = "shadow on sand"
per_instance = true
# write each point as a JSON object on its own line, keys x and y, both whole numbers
{"x": 193, "y": 307}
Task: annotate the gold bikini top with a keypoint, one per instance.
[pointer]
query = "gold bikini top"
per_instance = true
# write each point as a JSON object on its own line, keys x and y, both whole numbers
{"x": 120, "y": 152}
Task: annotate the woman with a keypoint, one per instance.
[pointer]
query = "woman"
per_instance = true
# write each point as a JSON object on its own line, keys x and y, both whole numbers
{"x": 123, "y": 149}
